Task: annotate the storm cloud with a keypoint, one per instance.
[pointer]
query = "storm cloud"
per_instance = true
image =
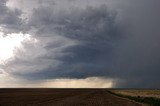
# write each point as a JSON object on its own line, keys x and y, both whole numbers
{"x": 10, "y": 20}
{"x": 78, "y": 39}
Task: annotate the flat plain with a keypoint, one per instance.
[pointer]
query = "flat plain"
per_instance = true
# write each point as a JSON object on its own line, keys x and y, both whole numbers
{"x": 147, "y": 96}
{"x": 139, "y": 92}
{"x": 62, "y": 97}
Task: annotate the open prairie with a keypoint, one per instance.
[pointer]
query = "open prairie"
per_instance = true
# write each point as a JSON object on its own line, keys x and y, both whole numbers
{"x": 62, "y": 97}
{"x": 148, "y": 96}
{"x": 139, "y": 92}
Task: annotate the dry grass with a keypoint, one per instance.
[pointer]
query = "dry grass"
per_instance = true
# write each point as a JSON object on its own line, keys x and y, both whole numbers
{"x": 141, "y": 93}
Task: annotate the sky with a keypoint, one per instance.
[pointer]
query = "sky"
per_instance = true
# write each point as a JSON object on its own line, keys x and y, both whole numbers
{"x": 80, "y": 43}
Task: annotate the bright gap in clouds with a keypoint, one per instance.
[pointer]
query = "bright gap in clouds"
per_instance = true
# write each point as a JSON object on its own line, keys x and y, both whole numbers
{"x": 90, "y": 82}
{"x": 9, "y": 43}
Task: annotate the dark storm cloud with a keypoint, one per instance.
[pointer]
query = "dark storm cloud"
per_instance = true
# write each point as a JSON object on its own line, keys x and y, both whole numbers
{"x": 137, "y": 57}
{"x": 93, "y": 28}
{"x": 93, "y": 40}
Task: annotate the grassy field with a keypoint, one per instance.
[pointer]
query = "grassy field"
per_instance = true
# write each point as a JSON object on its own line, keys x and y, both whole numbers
{"x": 151, "y": 97}
{"x": 142, "y": 93}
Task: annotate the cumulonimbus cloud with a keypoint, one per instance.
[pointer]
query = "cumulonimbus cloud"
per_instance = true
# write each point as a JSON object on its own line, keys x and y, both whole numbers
{"x": 80, "y": 39}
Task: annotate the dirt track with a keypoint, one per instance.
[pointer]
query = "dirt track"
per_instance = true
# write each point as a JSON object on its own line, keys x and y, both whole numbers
{"x": 61, "y": 97}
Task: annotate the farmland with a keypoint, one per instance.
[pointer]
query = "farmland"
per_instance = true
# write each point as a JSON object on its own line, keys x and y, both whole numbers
{"x": 62, "y": 97}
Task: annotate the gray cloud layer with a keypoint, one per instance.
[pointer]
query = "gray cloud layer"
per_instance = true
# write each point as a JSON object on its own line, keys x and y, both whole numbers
{"x": 93, "y": 29}
{"x": 112, "y": 39}
{"x": 9, "y": 19}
